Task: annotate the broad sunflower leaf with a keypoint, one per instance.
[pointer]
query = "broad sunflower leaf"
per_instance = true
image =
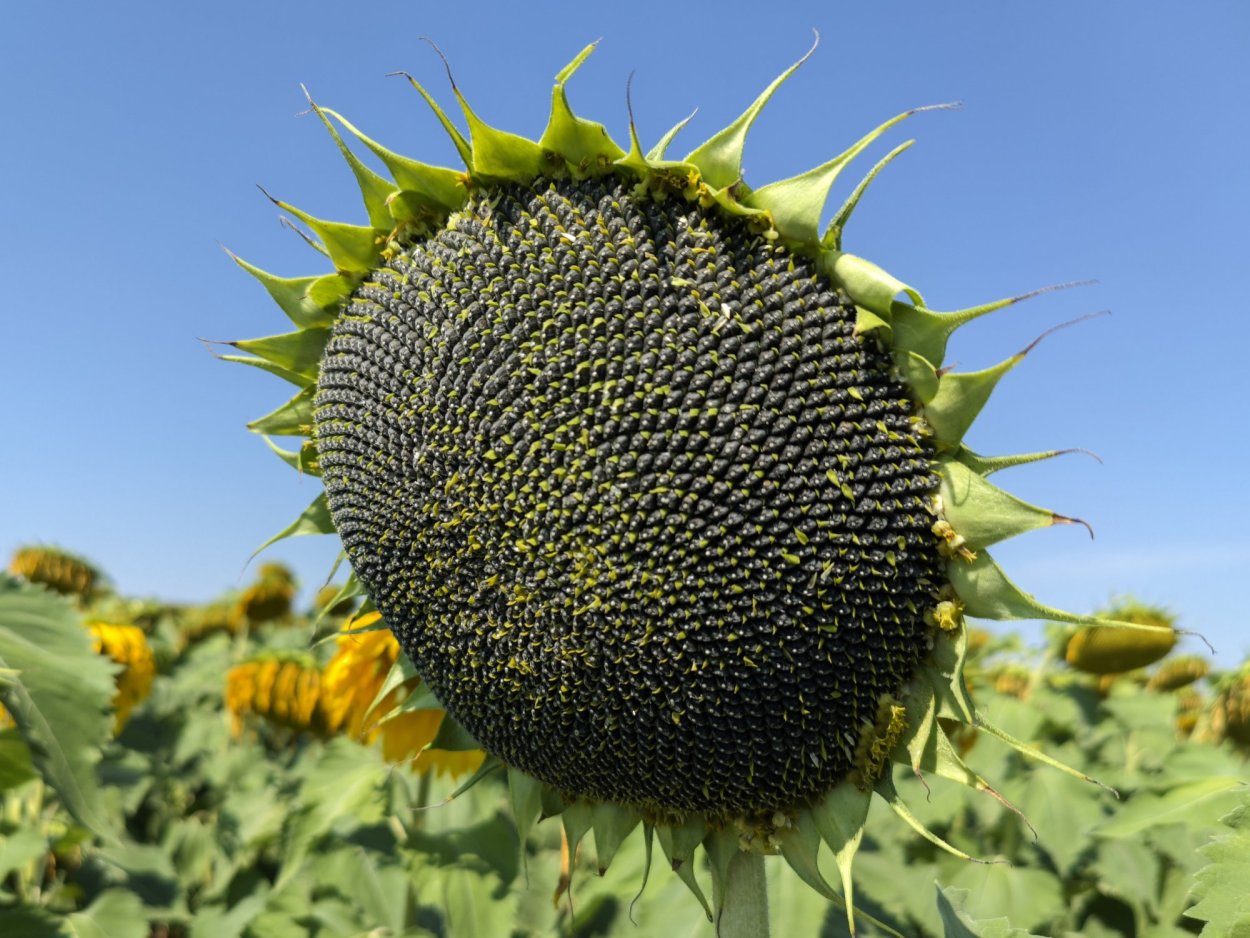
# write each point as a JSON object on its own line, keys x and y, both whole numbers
{"x": 1197, "y": 805}
{"x": 957, "y": 923}
{"x": 61, "y": 699}
{"x": 1220, "y": 887}
{"x": 115, "y": 913}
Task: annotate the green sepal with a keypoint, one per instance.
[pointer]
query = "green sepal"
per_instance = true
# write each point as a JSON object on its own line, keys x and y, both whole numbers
{"x": 866, "y": 321}
{"x": 1032, "y": 752}
{"x": 720, "y": 159}
{"x": 300, "y": 381}
{"x": 457, "y": 138}
{"x": 960, "y": 398}
{"x": 525, "y": 794}
{"x": 298, "y": 459}
{"x": 612, "y": 823}
{"x": 656, "y": 153}
{"x": 490, "y": 766}
{"x": 453, "y": 737}
{"x": 552, "y": 803}
{"x": 294, "y": 418}
{"x": 867, "y": 284}
{"x": 840, "y": 818}
{"x": 648, "y": 835}
{"x": 324, "y": 626}
{"x": 440, "y": 188}
{"x": 945, "y": 672}
{"x": 293, "y": 295}
{"x": 585, "y": 145}
{"x": 721, "y": 846}
{"x": 981, "y": 512}
{"x": 495, "y": 153}
{"x": 374, "y": 190}
{"x": 885, "y": 788}
{"x": 679, "y": 847}
{"x": 351, "y": 248}
{"x": 331, "y": 291}
{"x": 653, "y": 164}
{"x": 919, "y": 374}
{"x": 315, "y": 519}
{"x": 987, "y": 593}
{"x": 985, "y": 465}
{"x": 926, "y": 332}
{"x": 576, "y": 819}
{"x": 832, "y": 238}
{"x": 797, "y": 203}
{"x": 800, "y": 846}
{"x": 918, "y": 744}
{"x": 296, "y": 352}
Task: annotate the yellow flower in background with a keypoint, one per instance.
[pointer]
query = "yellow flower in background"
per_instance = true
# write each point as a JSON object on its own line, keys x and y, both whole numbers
{"x": 266, "y": 600}
{"x": 126, "y": 645}
{"x": 282, "y": 689}
{"x": 349, "y": 702}
{"x": 56, "y": 569}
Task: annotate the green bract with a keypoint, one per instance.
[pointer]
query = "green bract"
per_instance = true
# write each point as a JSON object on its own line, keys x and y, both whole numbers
{"x": 663, "y": 491}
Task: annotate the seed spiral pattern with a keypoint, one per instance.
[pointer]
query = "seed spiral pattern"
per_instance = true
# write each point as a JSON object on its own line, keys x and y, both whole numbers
{"x": 647, "y": 515}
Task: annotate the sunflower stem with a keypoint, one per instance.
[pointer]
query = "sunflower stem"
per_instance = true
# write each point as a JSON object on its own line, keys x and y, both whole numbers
{"x": 745, "y": 910}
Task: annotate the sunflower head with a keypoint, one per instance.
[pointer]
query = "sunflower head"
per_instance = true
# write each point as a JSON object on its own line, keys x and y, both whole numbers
{"x": 127, "y": 646}
{"x": 664, "y": 493}
{"x": 58, "y": 570}
{"x": 1104, "y": 650}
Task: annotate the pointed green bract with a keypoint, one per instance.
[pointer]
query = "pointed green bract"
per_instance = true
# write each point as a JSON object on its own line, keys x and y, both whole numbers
{"x": 611, "y": 824}
{"x": 832, "y": 239}
{"x": 797, "y": 203}
{"x": 720, "y": 158}
{"x": 374, "y": 190}
{"x": 584, "y": 145}
{"x": 986, "y": 465}
{"x": 315, "y": 519}
{"x": 457, "y": 138}
{"x": 293, "y": 295}
{"x": 440, "y": 188}
{"x": 983, "y": 514}
{"x": 352, "y": 248}
{"x": 678, "y": 847}
{"x": 840, "y": 818}
{"x": 294, "y": 418}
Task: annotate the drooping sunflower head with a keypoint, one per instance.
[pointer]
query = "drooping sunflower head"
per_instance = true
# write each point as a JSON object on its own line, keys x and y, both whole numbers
{"x": 57, "y": 569}
{"x": 664, "y": 493}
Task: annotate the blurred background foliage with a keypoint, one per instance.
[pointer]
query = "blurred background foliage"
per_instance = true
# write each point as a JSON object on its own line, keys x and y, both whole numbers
{"x": 246, "y": 768}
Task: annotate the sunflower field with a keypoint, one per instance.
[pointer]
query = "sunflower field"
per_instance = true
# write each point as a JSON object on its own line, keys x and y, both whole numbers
{"x": 246, "y": 768}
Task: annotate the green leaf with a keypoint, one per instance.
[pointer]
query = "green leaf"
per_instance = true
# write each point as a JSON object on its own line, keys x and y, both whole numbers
{"x": 1032, "y": 897}
{"x": 115, "y": 913}
{"x": 1220, "y": 886}
{"x": 1196, "y": 805}
{"x": 343, "y": 782}
{"x": 19, "y": 848}
{"x": 33, "y": 923}
{"x": 957, "y": 923}
{"x": 62, "y": 697}
{"x": 15, "y": 765}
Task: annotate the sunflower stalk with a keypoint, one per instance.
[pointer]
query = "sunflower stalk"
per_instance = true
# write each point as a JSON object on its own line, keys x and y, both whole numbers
{"x": 745, "y": 904}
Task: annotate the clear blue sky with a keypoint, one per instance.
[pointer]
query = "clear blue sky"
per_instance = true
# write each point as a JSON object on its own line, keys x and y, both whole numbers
{"x": 1099, "y": 140}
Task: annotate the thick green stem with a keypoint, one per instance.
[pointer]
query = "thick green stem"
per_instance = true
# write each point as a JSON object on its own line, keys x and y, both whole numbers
{"x": 745, "y": 910}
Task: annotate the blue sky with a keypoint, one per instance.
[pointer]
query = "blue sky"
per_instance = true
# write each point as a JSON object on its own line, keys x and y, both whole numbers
{"x": 1098, "y": 140}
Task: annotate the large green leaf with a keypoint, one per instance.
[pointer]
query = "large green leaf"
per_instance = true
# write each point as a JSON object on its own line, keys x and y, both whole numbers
{"x": 61, "y": 697}
{"x": 957, "y": 923}
{"x": 115, "y": 913}
{"x": 1221, "y": 887}
{"x": 1195, "y": 804}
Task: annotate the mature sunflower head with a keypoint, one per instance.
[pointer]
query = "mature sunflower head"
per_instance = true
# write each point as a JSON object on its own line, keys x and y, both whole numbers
{"x": 663, "y": 492}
